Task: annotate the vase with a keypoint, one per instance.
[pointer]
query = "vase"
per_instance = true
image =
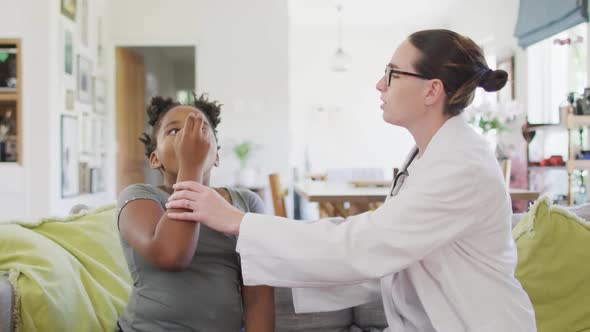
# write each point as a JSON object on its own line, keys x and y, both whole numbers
{"x": 491, "y": 136}
{"x": 246, "y": 177}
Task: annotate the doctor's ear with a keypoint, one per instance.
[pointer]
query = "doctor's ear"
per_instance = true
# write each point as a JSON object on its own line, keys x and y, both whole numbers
{"x": 435, "y": 91}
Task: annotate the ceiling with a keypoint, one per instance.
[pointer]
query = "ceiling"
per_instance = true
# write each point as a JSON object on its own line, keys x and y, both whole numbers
{"x": 372, "y": 12}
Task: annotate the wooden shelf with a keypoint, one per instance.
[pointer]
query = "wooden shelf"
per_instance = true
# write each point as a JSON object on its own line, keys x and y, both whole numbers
{"x": 535, "y": 127}
{"x": 14, "y": 96}
{"x": 577, "y": 121}
{"x": 536, "y": 165}
{"x": 8, "y": 96}
{"x": 580, "y": 164}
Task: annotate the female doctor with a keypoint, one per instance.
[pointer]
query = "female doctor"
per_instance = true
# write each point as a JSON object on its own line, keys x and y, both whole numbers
{"x": 439, "y": 250}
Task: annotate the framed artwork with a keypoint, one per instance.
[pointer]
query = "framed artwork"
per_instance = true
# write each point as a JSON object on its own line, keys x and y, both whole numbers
{"x": 68, "y": 52}
{"x": 69, "y": 156}
{"x": 84, "y": 80}
{"x": 99, "y": 95}
{"x": 68, "y": 9}
{"x": 506, "y": 94}
{"x": 99, "y": 43}
{"x": 98, "y": 137}
{"x": 96, "y": 180}
{"x": 84, "y": 177}
{"x": 69, "y": 100}
{"x": 86, "y": 138}
{"x": 84, "y": 22}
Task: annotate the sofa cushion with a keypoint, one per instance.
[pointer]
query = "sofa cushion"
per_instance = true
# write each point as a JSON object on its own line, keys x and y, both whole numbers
{"x": 6, "y": 305}
{"x": 553, "y": 254}
{"x": 288, "y": 321}
{"x": 70, "y": 267}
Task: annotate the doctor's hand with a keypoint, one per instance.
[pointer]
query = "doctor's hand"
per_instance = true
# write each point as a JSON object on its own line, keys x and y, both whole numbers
{"x": 206, "y": 206}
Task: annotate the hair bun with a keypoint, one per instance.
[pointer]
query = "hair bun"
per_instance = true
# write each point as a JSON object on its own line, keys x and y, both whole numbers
{"x": 493, "y": 80}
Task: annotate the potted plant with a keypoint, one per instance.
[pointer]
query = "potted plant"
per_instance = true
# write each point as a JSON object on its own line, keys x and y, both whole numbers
{"x": 246, "y": 176}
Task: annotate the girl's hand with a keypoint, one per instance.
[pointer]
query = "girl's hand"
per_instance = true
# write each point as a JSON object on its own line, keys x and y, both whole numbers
{"x": 193, "y": 143}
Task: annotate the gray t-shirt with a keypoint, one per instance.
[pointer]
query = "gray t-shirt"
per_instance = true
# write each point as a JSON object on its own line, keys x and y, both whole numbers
{"x": 206, "y": 296}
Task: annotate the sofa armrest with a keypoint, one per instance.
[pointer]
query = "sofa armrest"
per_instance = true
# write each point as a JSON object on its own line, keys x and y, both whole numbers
{"x": 6, "y": 305}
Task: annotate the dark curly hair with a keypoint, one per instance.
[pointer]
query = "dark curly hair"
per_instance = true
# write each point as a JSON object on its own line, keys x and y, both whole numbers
{"x": 159, "y": 106}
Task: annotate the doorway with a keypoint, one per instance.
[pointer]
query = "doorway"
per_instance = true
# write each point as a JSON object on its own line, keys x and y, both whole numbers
{"x": 142, "y": 73}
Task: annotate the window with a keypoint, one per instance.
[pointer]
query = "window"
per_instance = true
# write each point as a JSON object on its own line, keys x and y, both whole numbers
{"x": 555, "y": 66}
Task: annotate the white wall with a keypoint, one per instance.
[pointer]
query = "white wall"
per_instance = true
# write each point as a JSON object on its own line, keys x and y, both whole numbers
{"x": 350, "y": 131}
{"x": 24, "y": 188}
{"x": 242, "y": 59}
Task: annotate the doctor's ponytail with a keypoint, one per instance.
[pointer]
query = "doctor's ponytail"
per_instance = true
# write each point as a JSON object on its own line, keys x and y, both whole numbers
{"x": 459, "y": 63}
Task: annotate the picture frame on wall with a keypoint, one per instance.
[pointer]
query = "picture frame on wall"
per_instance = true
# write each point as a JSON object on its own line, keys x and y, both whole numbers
{"x": 99, "y": 43}
{"x": 68, "y": 9}
{"x": 99, "y": 95}
{"x": 84, "y": 80}
{"x": 69, "y": 156}
{"x": 83, "y": 22}
{"x": 507, "y": 94}
{"x": 68, "y": 52}
{"x": 84, "y": 177}
{"x": 69, "y": 100}
{"x": 98, "y": 143}
{"x": 86, "y": 135}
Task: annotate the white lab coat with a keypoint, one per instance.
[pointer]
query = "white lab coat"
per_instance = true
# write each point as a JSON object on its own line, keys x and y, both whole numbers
{"x": 440, "y": 253}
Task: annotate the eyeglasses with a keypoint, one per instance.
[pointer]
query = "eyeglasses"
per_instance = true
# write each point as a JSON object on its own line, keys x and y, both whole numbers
{"x": 389, "y": 71}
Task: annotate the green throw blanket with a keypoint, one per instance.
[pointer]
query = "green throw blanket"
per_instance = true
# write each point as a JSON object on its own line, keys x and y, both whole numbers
{"x": 68, "y": 274}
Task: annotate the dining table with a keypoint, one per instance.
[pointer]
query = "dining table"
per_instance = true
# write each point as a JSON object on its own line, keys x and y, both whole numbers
{"x": 342, "y": 199}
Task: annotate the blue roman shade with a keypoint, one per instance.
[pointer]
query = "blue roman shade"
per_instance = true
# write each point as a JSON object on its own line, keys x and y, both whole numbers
{"x": 540, "y": 19}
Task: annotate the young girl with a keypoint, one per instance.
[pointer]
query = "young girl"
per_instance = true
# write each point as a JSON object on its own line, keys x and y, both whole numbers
{"x": 186, "y": 276}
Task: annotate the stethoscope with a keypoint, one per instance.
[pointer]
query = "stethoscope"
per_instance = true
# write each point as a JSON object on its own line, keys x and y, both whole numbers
{"x": 400, "y": 177}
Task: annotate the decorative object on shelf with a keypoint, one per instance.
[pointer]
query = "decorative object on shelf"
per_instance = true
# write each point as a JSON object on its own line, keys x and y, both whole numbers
{"x": 246, "y": 176}
{"x": 69, "y": 156}
{"x": 492, "y": 119}
{"x": 581, "y": 103}
{"x": 68, "y": 52}
{"x": 8, "y": 149}
{"x": 68, "y": 9}
{"x": 340, "y": 60}
{"x": 69, "y": 100}
{"x": 507, "y": 94}
{"x": 7, "y": 121}
{"x": 84, "y": 80}
{"x": 555, "y": 160}
{"x": 8, "y": 68}
{"x": 8, "y": 131}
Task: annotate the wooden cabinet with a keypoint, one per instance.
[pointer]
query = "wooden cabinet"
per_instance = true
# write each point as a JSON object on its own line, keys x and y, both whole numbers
{"x": 10, "y": 101}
